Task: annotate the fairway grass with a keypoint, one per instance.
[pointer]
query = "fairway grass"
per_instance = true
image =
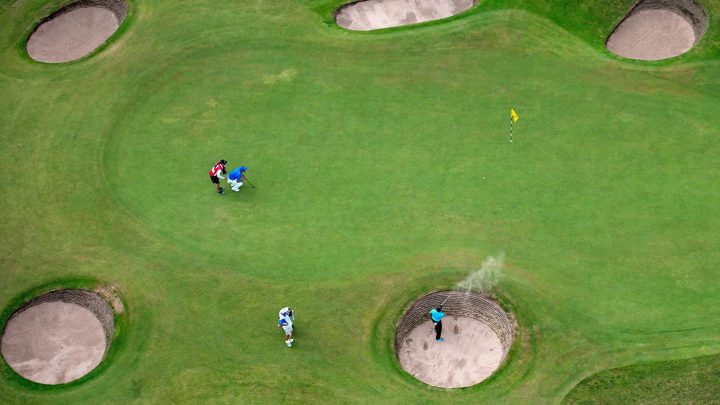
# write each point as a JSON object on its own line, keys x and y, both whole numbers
{"x": 383, "y": 172}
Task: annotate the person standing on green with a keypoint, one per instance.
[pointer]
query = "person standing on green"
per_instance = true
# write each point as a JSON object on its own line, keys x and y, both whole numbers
{"x": 437, "y": 315}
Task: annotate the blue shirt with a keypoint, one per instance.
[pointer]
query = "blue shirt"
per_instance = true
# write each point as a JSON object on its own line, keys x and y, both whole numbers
{"x": 436, "y": 315}
{"x": 236, "y": 174}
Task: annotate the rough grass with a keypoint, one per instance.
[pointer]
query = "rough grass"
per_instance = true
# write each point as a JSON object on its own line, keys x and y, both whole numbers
{"x": 383, "y": 170}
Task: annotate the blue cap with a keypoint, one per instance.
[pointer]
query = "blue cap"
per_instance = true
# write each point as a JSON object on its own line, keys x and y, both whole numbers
{"x": 243, "y": 168}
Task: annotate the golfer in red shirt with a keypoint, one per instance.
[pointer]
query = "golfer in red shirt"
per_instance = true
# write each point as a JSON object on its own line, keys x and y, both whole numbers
{"x": 216, "y": 174}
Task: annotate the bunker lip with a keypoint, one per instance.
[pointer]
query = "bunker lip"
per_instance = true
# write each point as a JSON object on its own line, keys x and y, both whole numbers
{"x": 369, "y": 15}
{"x": 658, "y": 29}
{"x": 75, "y": 30}
{"x": 478, "y": 336}
{"x": 59, "y": 336}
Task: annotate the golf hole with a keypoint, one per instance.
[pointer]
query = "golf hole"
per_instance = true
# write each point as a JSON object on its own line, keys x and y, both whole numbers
{"x": 658, "y": 29}
{"x": 367, "y": 15}
{"x": 58, "y": 337}
{"x": 75, "y": 30}
{"x": 477, "y": 337}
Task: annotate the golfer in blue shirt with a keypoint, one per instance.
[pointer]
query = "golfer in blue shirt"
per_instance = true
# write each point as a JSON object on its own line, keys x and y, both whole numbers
{"x": 236, "y": 177}
{"x": 437, "y": 315}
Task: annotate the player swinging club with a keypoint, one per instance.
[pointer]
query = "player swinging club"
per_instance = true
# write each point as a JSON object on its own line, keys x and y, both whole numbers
{"x": 437, "y": 315}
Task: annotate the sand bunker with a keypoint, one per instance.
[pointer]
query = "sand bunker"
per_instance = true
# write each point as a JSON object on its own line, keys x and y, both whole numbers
{"x": 58, "y": 337}
{"x": 375, "y": 14}
{"x": 658, "y": 29}
{"x": 477, "y": 332}
{"x": 75, "y": 30}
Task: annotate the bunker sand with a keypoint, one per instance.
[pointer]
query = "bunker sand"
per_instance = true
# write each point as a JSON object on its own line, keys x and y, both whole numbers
{"x": 54, "y": 342}
{"x": 72, "y": 34}
{"x": 652, "y": 35}
{"x": 471, "y": 352}
{"x": 376, "y": 14}
{"x": 656, "y": 30}
{"x": 478, "y": 335}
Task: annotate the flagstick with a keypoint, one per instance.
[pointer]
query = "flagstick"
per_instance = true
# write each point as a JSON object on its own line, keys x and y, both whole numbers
{"x": 511, "y": 128}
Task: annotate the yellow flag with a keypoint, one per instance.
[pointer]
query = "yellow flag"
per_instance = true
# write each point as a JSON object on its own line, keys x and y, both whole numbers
{"x": 514, "y": 115}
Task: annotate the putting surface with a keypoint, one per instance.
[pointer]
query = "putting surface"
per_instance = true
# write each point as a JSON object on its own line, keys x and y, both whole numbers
{"x": 471, "y": 352}
{"x": 383, "y": 172}
{"x": 54, "y": 342}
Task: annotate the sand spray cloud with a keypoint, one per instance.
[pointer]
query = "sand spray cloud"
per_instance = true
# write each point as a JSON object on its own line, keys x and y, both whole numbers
{"x": 486, "y": 278}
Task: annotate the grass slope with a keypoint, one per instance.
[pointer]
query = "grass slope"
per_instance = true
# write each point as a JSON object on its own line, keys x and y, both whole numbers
{"x": 383, "y": 171}
{"x": 682, "y": 381}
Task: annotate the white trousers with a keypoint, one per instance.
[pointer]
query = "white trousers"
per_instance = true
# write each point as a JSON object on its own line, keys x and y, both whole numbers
{"x": 235, "y": 184}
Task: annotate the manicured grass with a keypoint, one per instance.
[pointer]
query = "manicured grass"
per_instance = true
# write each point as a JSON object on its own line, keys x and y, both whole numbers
{"x": 694, "y": 380}
{"x": 383, "y": 171}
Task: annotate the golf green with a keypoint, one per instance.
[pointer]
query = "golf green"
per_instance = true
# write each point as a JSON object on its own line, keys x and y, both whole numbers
{"x": 383, "y": 171}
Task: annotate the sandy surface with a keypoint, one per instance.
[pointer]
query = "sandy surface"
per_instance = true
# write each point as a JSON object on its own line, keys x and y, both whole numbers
{"x": 375, "y": 14}
{"x": 652, "y": 35}
{"x": 54, "y": 342}
{"x": 470, "y": 353}
{"x": 72, "y": 35}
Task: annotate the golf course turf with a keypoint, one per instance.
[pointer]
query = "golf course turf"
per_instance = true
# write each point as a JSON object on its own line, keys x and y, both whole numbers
{"x": 383, "y": 173}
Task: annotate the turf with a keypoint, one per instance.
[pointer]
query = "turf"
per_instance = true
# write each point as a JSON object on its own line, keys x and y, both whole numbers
{"x": 682, "y": 381}
{"x": 383, "y": 171}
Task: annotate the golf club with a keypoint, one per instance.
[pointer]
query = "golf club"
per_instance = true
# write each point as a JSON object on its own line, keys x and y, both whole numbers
{"x": 248, "y": 180}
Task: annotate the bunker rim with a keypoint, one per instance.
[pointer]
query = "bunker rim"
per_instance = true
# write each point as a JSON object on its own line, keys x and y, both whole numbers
{"x": 645, "y": 15}
{"x": 461, "y": 304}
{"x": 104, "y": 303}
{"x": 49, "y": 48}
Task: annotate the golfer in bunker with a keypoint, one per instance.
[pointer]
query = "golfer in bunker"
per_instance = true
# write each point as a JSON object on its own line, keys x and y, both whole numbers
{"x": 437, "y": 315}
{"x": 236, "y": 177}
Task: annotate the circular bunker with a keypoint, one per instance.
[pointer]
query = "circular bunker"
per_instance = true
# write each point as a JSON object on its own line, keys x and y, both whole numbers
{"x": 75, "y": 30}
{"x": 58, "y": 337}
{"x": 477, "y": 332}
{"x": 658, "y": 29}
{"x": 367, "y": 15}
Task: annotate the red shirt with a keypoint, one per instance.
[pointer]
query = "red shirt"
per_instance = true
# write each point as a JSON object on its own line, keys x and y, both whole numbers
{"x": 217, "y": 169}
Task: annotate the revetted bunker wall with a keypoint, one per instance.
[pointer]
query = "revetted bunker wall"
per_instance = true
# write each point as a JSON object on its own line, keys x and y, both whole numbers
{"x": 89, "y": 300}
{"x": 688, "y": 9}
{"x": 460, "y": 303}
{"x": 118, "y": 7}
